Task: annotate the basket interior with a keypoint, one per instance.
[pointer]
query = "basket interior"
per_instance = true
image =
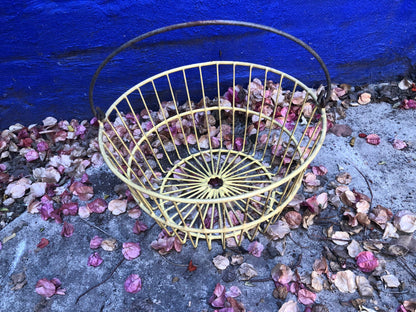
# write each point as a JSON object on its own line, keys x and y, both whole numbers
{"x": 213, "y": 150}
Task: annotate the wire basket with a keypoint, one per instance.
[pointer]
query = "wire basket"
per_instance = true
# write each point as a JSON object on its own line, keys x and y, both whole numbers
{"x": 210, "y": 165}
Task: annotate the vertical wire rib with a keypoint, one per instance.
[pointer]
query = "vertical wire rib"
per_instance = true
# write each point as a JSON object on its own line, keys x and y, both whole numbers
{"x": 134, "y": 160}
{"x": 165, "y": 119}
{"x": 145, "y": 137}
{"x": 260, "y": 113}
{"x": 154, "y": 125}
{"x": 206, "y": 118}
{"x": 273, "y": 118}
{"x": 192, "y": 115}
{"x": 122, "y": 157}
{"x": 177, "y": 113}
{"x": 247, "y": 109}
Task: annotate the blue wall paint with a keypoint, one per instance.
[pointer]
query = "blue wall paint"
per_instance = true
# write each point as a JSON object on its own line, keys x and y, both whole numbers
{"x": 49, "y": 50}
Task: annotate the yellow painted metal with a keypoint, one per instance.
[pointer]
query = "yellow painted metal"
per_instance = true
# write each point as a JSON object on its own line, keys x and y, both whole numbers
{"x": 201, "y": 190}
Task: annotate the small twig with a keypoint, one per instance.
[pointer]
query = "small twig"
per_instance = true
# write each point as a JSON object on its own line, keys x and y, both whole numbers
{"x": 102, "y": 282}
{"x": 368, "y": 185}
{"x": 403, "y": 263}
{"x": 96, "y": 227}
{"x": 173, "y": 263}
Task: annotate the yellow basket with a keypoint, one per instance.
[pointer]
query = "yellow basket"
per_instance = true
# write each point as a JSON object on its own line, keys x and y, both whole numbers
{"x": 213, "y": 166}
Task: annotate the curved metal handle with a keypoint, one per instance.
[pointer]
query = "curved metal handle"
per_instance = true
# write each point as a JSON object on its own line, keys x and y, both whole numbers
{"x": 100, "y": 115}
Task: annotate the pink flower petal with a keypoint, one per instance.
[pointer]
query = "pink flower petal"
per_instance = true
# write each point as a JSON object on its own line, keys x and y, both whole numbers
{"x": 399, "y": 144}
{"x": 95, "y": 242}
{"x": 373, "y": 139}
{"x": 233, "y": 292}
{"x": 217, "y": 300}
{"x": 43, "y": 243}
{"x": 69, "y": 209}
{"x": 98, "y": 205}
{"x": 319, "y": 170}
{"x": 133, "y": 284}
{"x": 255, "y": 248}
{"x": 31, "y": 155}
{"x": 366, "y": 261}
{"x": 139, "y": 227}
{"x": 42, "y": 146}
{"x": 131, "y": 250}
{"x": 67, "y": 229}
{"x": 306, "y": 297}
{"x": 81, "y": 190}
{"x": 95, "y": 259}
{"x": 45, "y": 288}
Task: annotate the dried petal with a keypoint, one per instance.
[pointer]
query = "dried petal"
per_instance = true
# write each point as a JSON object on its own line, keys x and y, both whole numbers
{"x": 255, "y": 248}
{"x": 366, "y": 261}
{"x": 405, "y": 221}
{"x": 373, "y": 139}
{"x": 217, "y": 299}
{"x": 390, "y": 280}
{"x": 31, "y": 155}
{"x": 233, "y": 292}
{"x": 317, "y": 283}
{"x": 354, "y": 248}
{"x": 98, "y": 205}
{"x": 364, "y": 98}
{"x": 45, "y": 288}
{"x": 344, "y": 178}
{"x": 38, "y": 189}
{"x": 95, "y": 242}
{"x": 131, "y": 250}
{"x": 278, "y": 230}
{"x": 67, "y": 229}
{"x": 306, "y": 297}
{"x": 81, "y": 190}
{"x": 109, "y": 244}
{"x": 364, "y": 287}
{"x": 293, "y": 219}
{"x": 247, "y": 271}
{"x": 95, "y": 259}
{"x": 290, "y": 306}
{"x": 117, "y": 206}
{"x": 221, "y": 262}
{"x": 340, "y": 238}
{"x": 133, "y": 284}
{"x": 43, "y": 243}
{"x": 139, "y": 227}
{"x": 345, "y": 281}
{"x": 319, "y": 170}
{"x": 320, "y": 266}
{"x": 84, "y": 212}
{"x": 399, "y": 144}
{"x": 282, "y": 274}
{"x": 49, "y": 121}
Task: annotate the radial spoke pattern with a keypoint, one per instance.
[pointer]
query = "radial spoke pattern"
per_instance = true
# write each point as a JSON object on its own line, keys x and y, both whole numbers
{"x": 222, "y": 166}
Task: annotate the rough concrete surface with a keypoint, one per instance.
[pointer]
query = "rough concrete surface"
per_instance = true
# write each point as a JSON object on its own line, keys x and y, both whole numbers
{"x": 167, "y": 284}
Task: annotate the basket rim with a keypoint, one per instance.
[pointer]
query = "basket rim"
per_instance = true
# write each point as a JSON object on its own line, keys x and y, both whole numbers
{"x": 249, "y": 194}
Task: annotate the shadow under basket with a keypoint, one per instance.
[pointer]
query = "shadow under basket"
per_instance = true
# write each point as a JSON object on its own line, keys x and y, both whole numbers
{"x": 214, "y": 161}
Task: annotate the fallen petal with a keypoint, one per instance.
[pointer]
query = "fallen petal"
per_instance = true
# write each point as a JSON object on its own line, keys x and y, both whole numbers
{"x": 221, "y": 262}
{"x": 95, "y": 259}
{"x": 366, "y": 261}
{"x": 133, "y": 284}
{"x": 131, "y": 250}
{"x": 117, "y": 206}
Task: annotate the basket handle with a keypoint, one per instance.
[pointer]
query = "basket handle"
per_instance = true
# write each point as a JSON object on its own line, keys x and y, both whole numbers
{"x": 322, "y": 98}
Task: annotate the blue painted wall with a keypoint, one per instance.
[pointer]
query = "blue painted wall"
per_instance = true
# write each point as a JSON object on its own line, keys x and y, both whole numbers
{"x": 49, "y": 50}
